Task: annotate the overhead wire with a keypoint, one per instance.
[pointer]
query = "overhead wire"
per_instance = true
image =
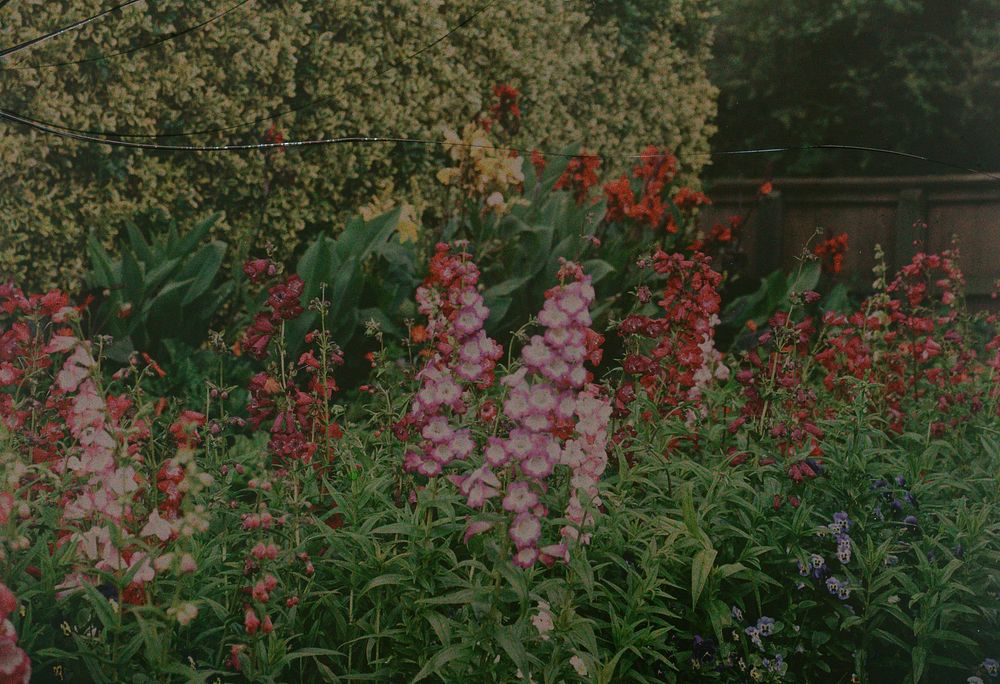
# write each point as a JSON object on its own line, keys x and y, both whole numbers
{"x": 399, "y": 140}
{"x": 65, "y": 29}
{"x": 113, "y": 138}
{"x": 274, "y": 116}
{"x": 136, "y": 48}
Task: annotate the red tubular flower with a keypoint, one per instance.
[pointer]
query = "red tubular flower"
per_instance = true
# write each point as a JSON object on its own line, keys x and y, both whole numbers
{"x": 580, "y": 176}
{"x": 832, "y": 253}
{"x": 284, "y": 298}
{"x": 258, "y": 336}
{"x": 505, "y": 109}
{"x": 258, "y": 269}
{"x": 686, "y": 199}
{"x": 538, "y": 161}
{"x": 621, "y": 199}
{"x": 250, "y": 621}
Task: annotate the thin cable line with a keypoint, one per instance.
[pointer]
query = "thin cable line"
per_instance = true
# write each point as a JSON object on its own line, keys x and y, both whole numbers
{"x": 158, "y": 41}
{"x": 65, "y": 29}
{"x": 396, "y": 140}
{"x": 859, "y": 148}
{"x": 276, "y": 115}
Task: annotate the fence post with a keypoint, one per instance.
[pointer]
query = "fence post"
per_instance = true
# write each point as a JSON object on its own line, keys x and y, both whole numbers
{"x": 770, "y": 233}
{"x": 911, "y": 225}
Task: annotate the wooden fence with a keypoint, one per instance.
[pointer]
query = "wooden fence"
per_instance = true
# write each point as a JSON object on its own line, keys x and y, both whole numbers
{"x": 894, "y": 212}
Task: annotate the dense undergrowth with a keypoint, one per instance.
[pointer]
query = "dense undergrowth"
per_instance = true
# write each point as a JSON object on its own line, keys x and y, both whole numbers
{"x": 545, "y": 472}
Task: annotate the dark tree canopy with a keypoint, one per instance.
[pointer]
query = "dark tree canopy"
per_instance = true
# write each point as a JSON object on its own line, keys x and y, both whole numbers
{"x": 920, "y": 76}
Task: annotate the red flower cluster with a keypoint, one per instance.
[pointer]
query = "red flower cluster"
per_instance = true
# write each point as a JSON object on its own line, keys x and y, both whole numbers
{"x": 720, "y": 236}
{"x": 686, "y": 199}
{"x": 298, "y": 419}
{"x": 274, "y": 136}
{"x": 506, "y": 109}
{"x": 580, "y": 176}
{"x": 15, "y": 666}
{"x": 655, "y": 207}
{"x": 283, "y": 301}
{"x": 929, "y": 357}
{"x": 185, "y": 429}
{"x": 683, "y": 358}
{"x": 832, "y": 251}
{"x": 169, "y": 476}
{"x": 538, "y": 161}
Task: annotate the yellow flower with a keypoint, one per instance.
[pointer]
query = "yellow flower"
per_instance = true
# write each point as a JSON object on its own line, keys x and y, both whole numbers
{"x": 447, "y": 176}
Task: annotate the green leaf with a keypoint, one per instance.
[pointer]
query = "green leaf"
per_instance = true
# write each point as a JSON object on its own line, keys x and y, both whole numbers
{"x": 203, "y": 267}
{"x": 597, "y": 269}
{"x": 919, "y": 660}
{"x": 807, "y": 278}
{"x": 181, "y": 247}
{"x": 132, "y": 280}
{"x": 689, "y": 515}
{"x": 838, "y": 300}
{"x": 317, "y": 265}
{"x": 311, "y": 653}
{"x": 406, "y": 529}
{"x": 700, "y": 570}
{"x": 498, "y": 309}
{"x": 461, "y": 597}
{"x": 720, "y": 615}
{"x": 505, "y": 288}
{"x": 436, "y": 664}
{"x": 100, "y": 263}
{"x": 159, "y": 273}
{"x": 139, "y": 245}
{"x": 382, "y": 581}
{"x": 729, "y": 569}
{"x": 441, "y": 626}
{"x": 360, "y": 238}
{"x": 345, "y": 287}
{"x": 513, "y": 646}
{"x": 101, "y": 605}
{"x": 383, "y": 320}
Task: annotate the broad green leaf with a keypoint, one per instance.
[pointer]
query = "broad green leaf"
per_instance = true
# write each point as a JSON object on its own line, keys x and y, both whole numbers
{"x": 203, "y": 267}
{"x": 436, "y": 664}
{"x": 505, "y": 288}
{"x": 807, "y": 278}
{"x": 101, "y": 263}
{"x": 360, "y": 238}
{"x": 182, "y": 246}
{"x": 139, "y": 244}
{"x": 919, "y": 660}
{"x": 160, "y": 272}
{"x": 720, "y": 615}
{"x": 132, "y": 278}
{"x": 597, "y": 269}
{"x": 382, "y": 581}
{"x": 700, "y": 570}
{"x": 513, "y": 645}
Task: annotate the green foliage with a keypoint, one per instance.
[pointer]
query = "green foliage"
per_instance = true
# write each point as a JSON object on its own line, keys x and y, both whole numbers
{"x": 522, "y": 251}
{"x": 366, "y": 274}
{"x": 166, "y": 288}
{"x": 910, "y": 76}
{"x": 330, "y": 62}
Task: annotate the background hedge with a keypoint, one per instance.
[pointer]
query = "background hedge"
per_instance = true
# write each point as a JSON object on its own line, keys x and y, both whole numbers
{"x": 613, "y": 76}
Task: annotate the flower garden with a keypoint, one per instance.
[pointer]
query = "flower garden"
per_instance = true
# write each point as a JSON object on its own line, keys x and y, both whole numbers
{"x": 551, "y": 436}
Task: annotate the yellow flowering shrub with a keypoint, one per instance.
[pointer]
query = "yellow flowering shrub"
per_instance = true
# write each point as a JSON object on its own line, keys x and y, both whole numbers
{"x": 482, "y": 170}
{"x": 273, "y": 55}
